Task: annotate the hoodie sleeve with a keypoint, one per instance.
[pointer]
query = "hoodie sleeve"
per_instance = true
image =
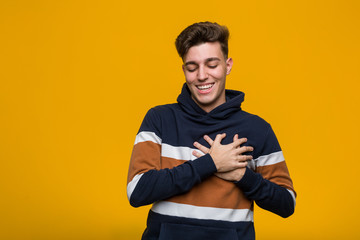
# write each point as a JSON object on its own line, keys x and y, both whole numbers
{"x": 147, "y": 181}
{"x": 270, "y": 186}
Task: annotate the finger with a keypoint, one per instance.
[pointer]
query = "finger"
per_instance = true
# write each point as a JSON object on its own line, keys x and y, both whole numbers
{"x": 196, "y": 154}
{"x": 201, "y": 147}
{"x": 236, "y": 137}
{"x": 244, "y": 149}
{"x": 240, "y": 141}
{"x": 209, "y": 140}
{"x": 244, "y": 158}
{"x": 242, "y": 164}
{"x": 219, "y": 138}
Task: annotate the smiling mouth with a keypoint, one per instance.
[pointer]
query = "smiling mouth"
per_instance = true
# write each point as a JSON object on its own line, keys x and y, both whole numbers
{"x": 205, "y": 87}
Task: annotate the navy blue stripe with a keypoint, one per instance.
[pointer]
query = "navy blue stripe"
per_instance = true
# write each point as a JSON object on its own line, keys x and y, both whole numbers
{"x": 244, "y": 230}
{"x": 176, "y": 128}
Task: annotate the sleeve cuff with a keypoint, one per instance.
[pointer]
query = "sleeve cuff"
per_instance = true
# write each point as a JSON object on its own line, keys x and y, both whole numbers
{"x": 249, "y": 180}
{"x": 204, "y": 166}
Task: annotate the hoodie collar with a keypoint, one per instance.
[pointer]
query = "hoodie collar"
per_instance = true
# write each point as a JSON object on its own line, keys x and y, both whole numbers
{"x": 232, "y": 104}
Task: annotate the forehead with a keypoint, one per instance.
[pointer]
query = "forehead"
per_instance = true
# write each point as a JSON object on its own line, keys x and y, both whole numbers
{"x": 203, "y": 51}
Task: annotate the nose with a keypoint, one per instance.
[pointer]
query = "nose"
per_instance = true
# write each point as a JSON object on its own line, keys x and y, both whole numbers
{"x": 202, "y": 74}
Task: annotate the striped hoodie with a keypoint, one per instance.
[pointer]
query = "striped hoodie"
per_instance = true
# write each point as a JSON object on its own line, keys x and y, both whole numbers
{"x": 189, "y": 202}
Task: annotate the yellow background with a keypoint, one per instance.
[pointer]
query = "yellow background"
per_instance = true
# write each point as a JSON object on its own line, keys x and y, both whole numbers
{"x": 77, "y": 77}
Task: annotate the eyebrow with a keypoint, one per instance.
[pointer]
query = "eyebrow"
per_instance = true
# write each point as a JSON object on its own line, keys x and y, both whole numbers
{"x": 207, "y": 60}
{"x": 190, "y": 63}
{"x": 212, "y": 59}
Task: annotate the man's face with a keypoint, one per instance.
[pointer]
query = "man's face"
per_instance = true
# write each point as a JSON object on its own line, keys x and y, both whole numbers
{"x": 205, "y": 70}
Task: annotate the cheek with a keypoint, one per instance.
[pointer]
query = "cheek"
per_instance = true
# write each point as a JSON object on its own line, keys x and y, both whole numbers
{"x": 190, "y": 78}
{"x": 219, "y": 76}
{"x": 219, "y": 73}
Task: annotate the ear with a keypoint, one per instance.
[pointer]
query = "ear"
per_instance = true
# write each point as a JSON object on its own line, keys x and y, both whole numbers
{"x": 229, "y": 64}
{"x": 183, "y": 68}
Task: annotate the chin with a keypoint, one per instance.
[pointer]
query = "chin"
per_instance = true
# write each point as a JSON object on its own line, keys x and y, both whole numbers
{"x": 204, "y": 102}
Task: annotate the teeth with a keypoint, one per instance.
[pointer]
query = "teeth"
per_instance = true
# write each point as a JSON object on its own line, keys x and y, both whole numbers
{"x": 203, "y": 87}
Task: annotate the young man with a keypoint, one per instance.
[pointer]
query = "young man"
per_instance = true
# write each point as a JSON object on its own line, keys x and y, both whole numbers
{"x": 202, "y": 162}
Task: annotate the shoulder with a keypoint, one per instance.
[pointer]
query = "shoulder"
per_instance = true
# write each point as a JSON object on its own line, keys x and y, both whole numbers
{"x": 165, "y": 107}
{"x": 163, "y": 110}
{"x": 261, "y": 136}
{"x": 254, "y": 121}
{"x": 158, "y": 113}
{"x": 156, "y": 117}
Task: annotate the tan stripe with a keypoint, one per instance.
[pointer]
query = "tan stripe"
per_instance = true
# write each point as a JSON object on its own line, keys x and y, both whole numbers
{"x": 145, "y": 156}
{"x": 214, "y": 192}
{"x": 170, "y": 162}
{"x": 277, "y": 173}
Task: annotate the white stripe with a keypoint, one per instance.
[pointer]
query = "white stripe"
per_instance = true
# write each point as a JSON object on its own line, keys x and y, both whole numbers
{"x": 208, "y": 213}
{"x": 252, "y": 164}
{"x": 293, "y": 196}
{"x": 270, "y": 159}
{"x": 181, "y": 153}
{"x": 145, "y": 136}
{"x": 131, "y": 185}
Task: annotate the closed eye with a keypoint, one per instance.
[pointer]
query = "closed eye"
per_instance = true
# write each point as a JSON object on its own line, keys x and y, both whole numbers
{"x": 191, "y": 67}
{"x": 212, "y": 62}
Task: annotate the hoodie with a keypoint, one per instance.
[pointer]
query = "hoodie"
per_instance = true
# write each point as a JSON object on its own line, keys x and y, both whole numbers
{"x": 189, "y": 201}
